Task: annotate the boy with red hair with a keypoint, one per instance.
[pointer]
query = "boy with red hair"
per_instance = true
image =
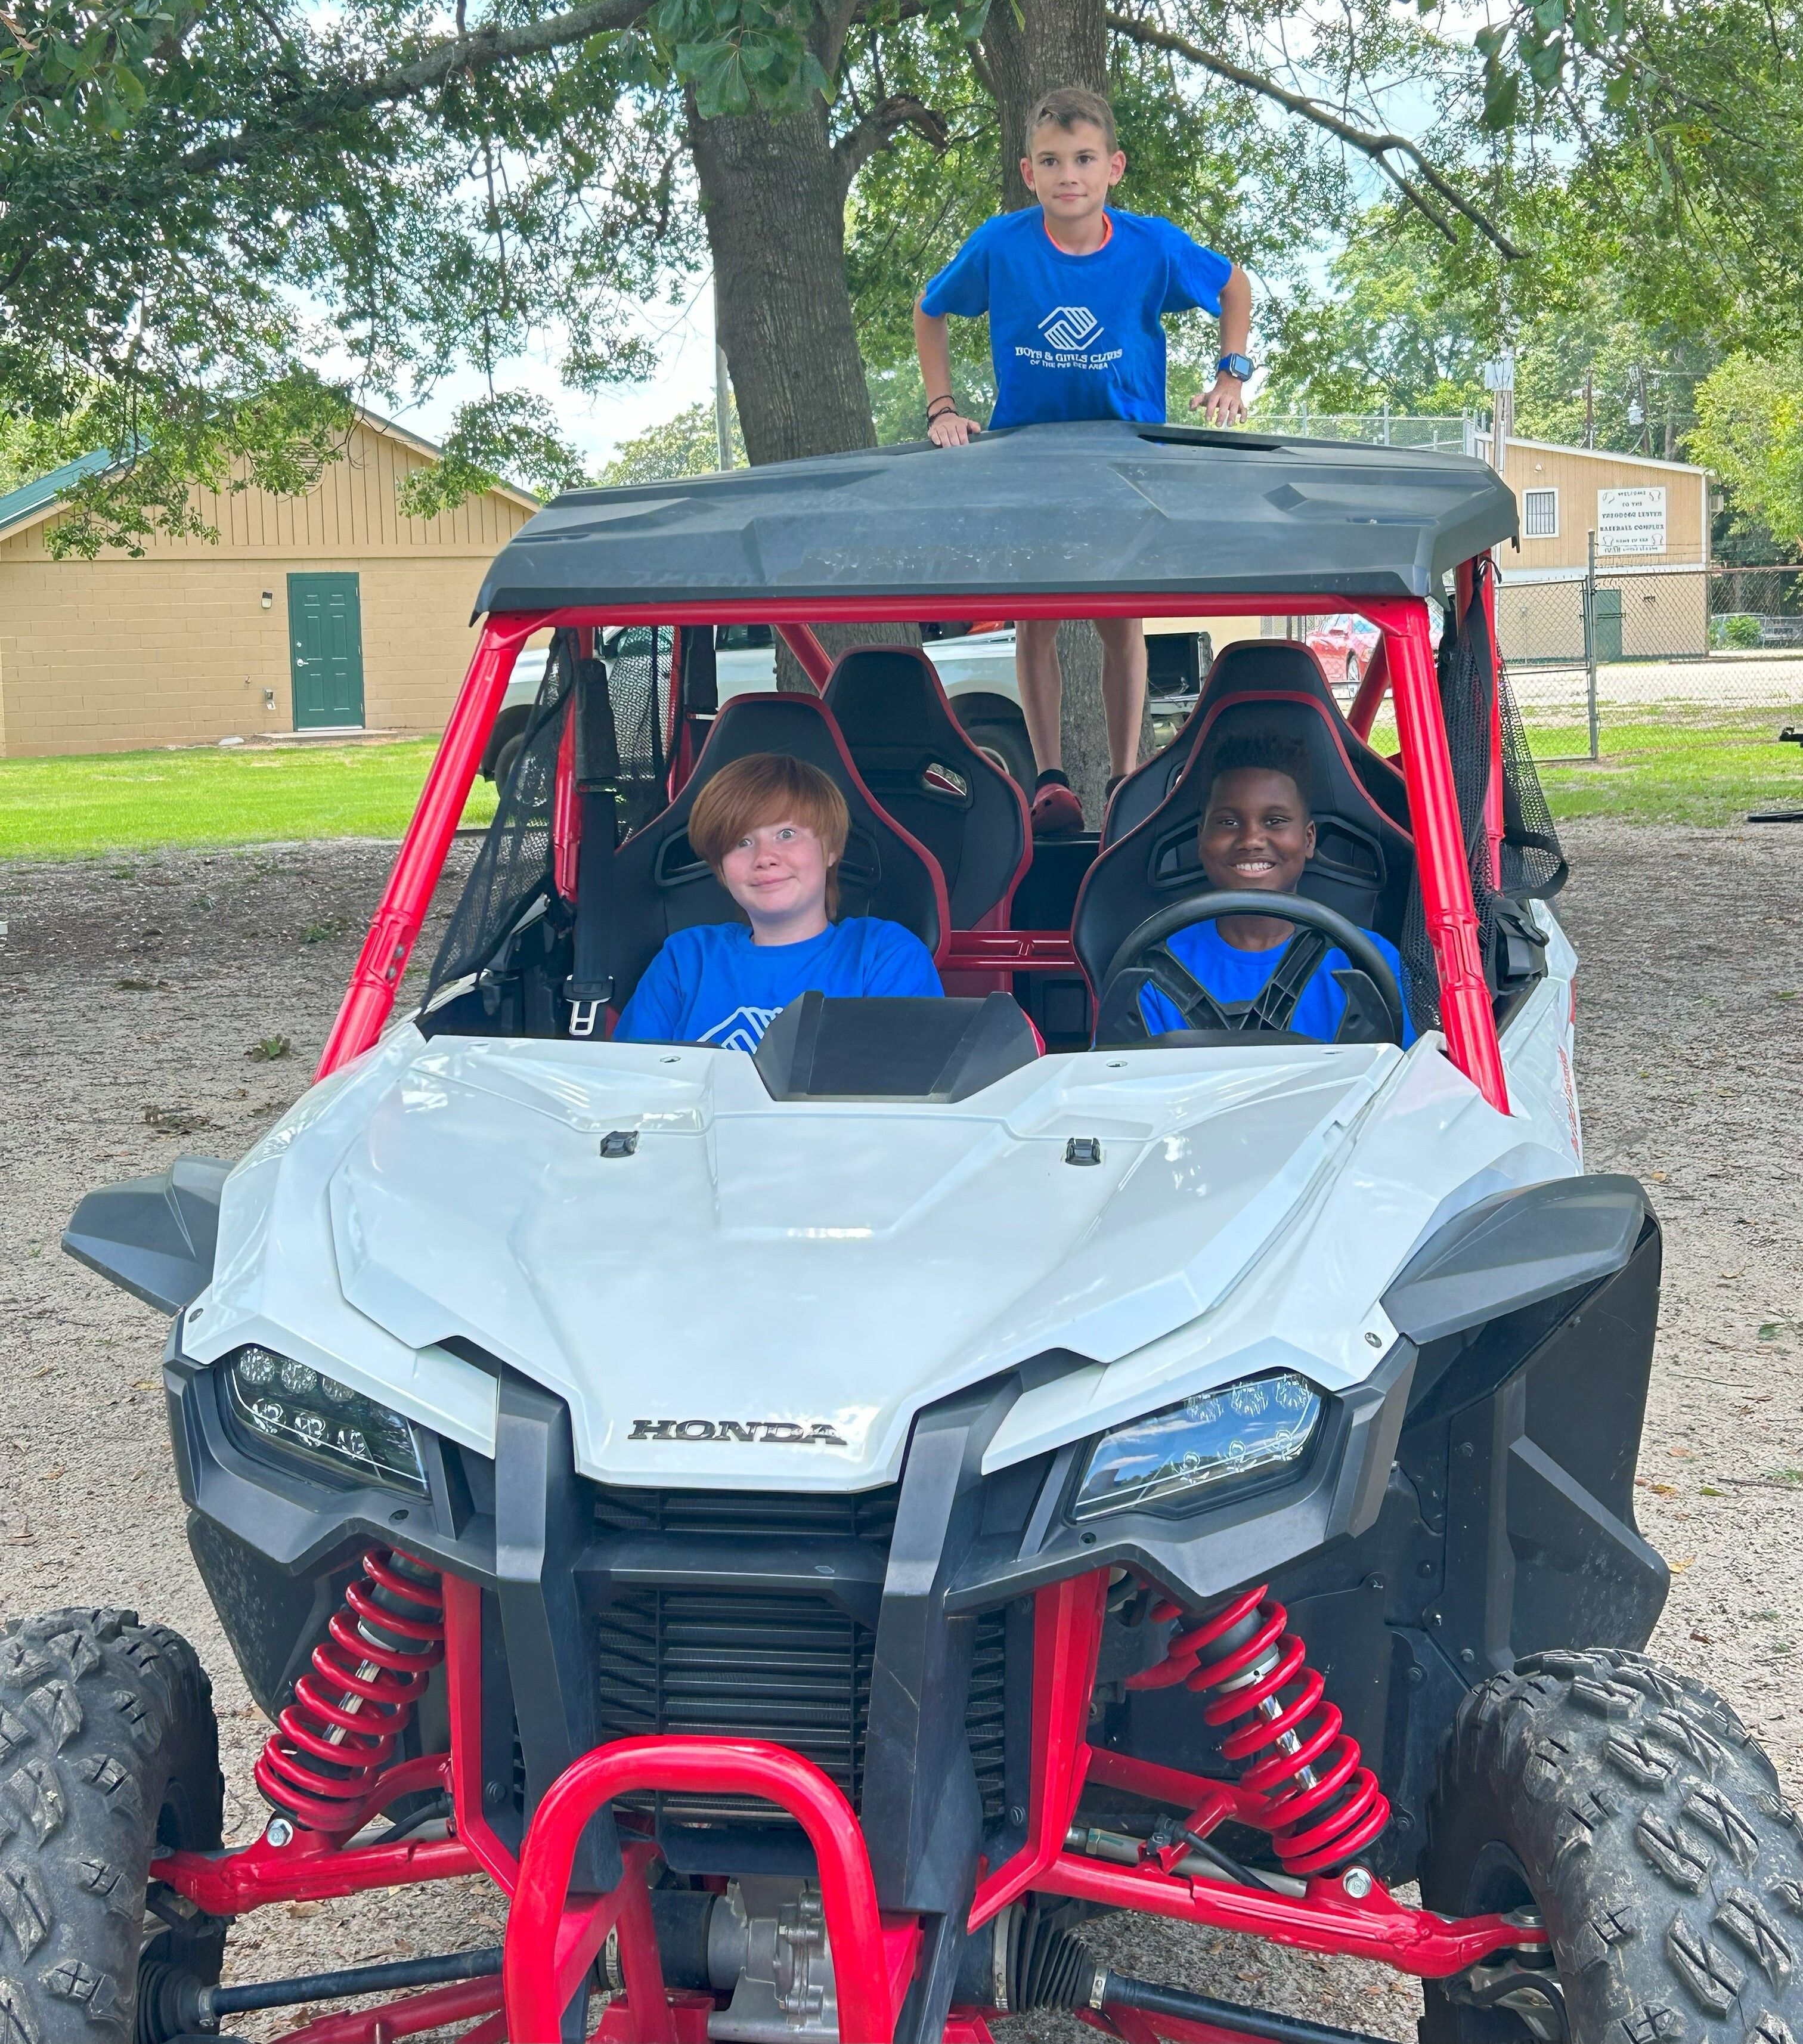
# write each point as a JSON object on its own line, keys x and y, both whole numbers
{"x": 773, "y": 830}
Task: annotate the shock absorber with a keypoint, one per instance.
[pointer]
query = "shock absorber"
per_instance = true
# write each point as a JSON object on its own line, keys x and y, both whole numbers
{"x": 1322, "y": 1806}
{"x": 318, "y": 1766}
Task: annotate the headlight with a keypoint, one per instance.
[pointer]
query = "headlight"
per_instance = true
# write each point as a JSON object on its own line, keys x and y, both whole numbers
{"x": 296, "y": 1408}
{"x": 1216, "y": 1438}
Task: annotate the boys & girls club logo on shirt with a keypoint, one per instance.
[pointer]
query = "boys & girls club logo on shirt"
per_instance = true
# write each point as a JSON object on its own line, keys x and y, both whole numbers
{"x": 742, "y": 1030}
{"x": 1071, "y": 332}
{"x": 1071, "y": 327}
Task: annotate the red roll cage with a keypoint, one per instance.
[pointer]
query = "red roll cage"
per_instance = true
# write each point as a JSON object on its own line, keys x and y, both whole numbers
{"x": 1403, "y": 668}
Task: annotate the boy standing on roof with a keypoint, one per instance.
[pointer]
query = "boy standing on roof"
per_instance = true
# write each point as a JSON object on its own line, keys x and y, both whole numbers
{"x": 1075, "y": 292}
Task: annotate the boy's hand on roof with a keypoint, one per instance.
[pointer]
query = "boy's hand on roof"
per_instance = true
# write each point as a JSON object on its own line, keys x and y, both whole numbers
{"x": 951, "y": 429}
{"x": 1224, "y": 404}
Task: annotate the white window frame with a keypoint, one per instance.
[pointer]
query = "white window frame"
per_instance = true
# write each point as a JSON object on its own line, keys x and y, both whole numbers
{"x": 1527, "y": 496}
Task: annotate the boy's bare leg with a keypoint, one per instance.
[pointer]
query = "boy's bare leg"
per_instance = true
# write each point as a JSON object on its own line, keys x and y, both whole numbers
{"x": 1123, "y": 690}
{"x": 1041, "y": 684}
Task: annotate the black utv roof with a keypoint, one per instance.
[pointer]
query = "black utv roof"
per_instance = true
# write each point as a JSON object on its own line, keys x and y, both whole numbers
{"x": 1061, "y": 510}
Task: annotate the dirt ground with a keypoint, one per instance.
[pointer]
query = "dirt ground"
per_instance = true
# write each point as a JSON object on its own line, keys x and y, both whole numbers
{"x": 138, "y": 995}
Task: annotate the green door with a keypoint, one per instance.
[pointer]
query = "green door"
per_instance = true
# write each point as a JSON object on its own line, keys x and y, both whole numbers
{"x": 325, "y": 650}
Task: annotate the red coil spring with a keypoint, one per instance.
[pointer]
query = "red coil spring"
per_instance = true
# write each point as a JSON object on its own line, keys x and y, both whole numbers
{"x": 339, "y": 1733}
{"x": 1323, "y": 1807}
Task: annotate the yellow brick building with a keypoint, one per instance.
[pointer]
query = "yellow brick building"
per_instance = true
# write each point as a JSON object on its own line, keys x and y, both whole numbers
{"x": 326, "y": 612}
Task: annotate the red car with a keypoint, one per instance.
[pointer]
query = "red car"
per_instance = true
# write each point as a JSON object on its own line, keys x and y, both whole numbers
{"x": 1343, "y": 644}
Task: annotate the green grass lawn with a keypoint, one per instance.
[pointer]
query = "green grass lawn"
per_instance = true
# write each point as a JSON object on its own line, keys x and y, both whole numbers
{"x": 1667, "y": 770}
{"x": 1666, "y": 773}
{"x": 133, "y": 801}
{"x": 1672, "y": 769}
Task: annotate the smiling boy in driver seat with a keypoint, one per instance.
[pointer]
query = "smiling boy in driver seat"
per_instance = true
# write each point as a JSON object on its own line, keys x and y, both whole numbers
{"x": 1257, "y": 836}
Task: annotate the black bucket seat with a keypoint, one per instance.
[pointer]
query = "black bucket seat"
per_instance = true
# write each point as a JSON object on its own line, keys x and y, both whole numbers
{"x": 1248, "y": 666}
{"x": 915, "y": 759}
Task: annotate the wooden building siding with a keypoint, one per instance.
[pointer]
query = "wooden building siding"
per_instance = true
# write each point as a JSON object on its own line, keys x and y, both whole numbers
{"x": 1577, "y": 473}
{"x": 177, "y": 647}
{"x": 1540, "y": 601}
{"x": 352, "y": 511}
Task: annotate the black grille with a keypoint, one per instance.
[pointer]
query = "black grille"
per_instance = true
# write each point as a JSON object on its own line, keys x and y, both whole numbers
{"x": 864, "y": 1515}
{"x": 748, "y": 1664}
{"x": 984, "y": 1712}
{"x": 785, "y": 1666}
{"x": 754, "y": 1663}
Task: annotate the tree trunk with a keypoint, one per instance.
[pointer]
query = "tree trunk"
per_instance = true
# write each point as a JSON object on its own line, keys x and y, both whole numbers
{"x": 1005, "y": 55}
{"x": 774, "y": 203}
{"x": 1083, "y": 730}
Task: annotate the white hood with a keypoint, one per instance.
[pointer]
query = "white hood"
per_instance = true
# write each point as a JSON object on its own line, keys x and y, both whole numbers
{"x": 795, "y": 1280}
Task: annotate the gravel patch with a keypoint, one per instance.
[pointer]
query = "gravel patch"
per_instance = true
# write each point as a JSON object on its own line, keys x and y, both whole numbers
{"x": 135, "y": 991}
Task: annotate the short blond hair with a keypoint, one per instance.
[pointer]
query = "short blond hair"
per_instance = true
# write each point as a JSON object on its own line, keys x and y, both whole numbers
{"x": 1064, "y": 106}
{"x": 770, "y": 788}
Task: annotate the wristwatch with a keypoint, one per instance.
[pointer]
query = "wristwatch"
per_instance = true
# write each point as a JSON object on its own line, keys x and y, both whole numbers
{"x": 1240, "y": 367}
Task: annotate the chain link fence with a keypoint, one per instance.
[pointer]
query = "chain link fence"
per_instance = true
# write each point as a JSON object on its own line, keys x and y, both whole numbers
{"x": 1449, "y": 433}
{"x": 1617, "y": 663}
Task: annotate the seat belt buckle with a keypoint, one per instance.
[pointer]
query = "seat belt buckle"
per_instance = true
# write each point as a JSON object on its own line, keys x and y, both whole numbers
{"x": 588, "y": 999}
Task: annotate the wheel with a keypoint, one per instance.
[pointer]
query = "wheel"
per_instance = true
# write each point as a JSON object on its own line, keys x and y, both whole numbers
{"x": 111, "y": 1754}
{"x": 1005, "y": 745}
{"x": 1629, "y": 1808}
{"x": 504, "y": 761}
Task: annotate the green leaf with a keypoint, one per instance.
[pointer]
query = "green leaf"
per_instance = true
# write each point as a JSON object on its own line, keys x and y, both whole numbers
{"x": 1546, "y": 64}
{"x": 1502, "y": 101}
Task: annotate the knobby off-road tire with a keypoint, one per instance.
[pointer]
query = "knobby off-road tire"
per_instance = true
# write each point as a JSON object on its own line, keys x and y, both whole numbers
{"x": 108, "y": 1752}
{"x": 1649, "y": 1828}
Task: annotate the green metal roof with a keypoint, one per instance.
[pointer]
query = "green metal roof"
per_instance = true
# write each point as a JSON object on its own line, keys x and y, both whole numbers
{"x": 30, "y": 498}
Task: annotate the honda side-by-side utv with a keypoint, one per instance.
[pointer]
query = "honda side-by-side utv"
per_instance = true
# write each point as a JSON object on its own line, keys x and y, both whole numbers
{"x": 818, "y": 1517}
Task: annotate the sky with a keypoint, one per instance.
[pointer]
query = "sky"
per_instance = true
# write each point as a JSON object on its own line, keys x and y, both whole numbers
{"x": 683, "y": 336}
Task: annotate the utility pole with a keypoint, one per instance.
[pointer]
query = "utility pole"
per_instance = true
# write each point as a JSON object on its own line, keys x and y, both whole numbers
{"x": 722, "y": 390}
{"x": 1500, "y": 375}
{"x": 1637, "y": 412}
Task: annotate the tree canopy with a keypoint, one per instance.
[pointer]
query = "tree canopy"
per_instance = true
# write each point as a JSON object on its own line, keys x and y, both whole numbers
{"x": 1750, "y": 431}
{"x": 219, "y": 224}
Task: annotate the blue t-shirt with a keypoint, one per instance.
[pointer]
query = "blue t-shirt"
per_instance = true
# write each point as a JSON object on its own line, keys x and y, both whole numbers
{"x": 713, "y": 984}
{"x": 1078, "y": 337}
{"x": 1231, "y": 974}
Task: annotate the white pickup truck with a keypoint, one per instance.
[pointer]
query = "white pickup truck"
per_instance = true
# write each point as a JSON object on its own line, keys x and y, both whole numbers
{"x": 976, "y": 668}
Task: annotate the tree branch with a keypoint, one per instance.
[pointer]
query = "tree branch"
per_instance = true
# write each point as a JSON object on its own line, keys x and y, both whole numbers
{"x": 1370, "y": 142}
{"x": 433, "y": 68}
{"x": 857, "y": 145}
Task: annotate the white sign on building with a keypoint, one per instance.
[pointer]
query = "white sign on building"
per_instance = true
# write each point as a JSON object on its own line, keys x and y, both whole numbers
{"x": 1631, "y": 521}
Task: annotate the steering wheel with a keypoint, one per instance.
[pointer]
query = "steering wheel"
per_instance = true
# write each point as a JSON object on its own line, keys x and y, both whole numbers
{"x": 1144, "y": 959}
